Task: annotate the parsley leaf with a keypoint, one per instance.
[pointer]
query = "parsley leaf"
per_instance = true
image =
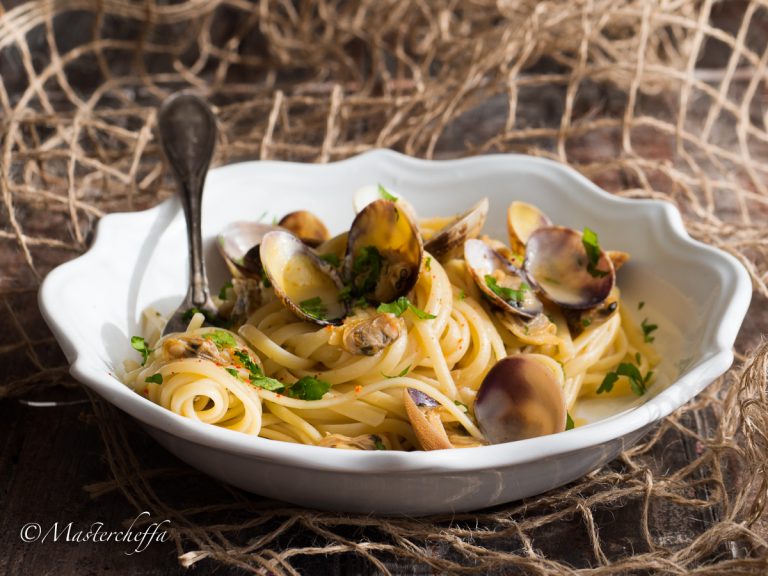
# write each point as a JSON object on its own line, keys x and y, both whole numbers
{"x": 648, "y": 329}
{"x": 386, "y": 195}
{"x": 585, "y": 322}
{"x": 265, "y": 279}
{"x": 233, "y": 372}
{"x": 462, "y": 295}
{"x": 641, "y": 305}
{"x": 569, "y": 425}
{"x": 428, "y": 263}
{"x": 637, "y": 382}
{"x": 221, "y": 338}
{"x": 399, "y": 306}
{"x": 255, "y": 374}
{"x": 223, "y": 291}
{"x": 366, "y": 269}
{"x": 378, "y": 443}
{"x": 308, "y": 388}
{"x": 403, "y": 372}
{"x": 140, "y": 345}
{"x": 464, "y": 408}
{"x": 507, "y": 294}
{"x": 154, "y": 379}
{"x": 592, "y": 247}
{"x": 314, "y": 307}
{"x": 332, "y": 259}
{"x": 267, "y": 383}
{"x": 249, "y": 364}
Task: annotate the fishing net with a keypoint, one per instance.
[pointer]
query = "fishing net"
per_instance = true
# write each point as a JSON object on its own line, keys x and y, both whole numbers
{"x": 661, "y": 99}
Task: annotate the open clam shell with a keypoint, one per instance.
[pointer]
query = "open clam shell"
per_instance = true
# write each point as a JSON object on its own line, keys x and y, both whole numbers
{"x": 372, "y": 192}
{"x": 306, "y": 284}
{"x": 524, "y": 219}
{"x": 423, "y": 413}
{"x": 384, "y": 252}
{"x": 239, "y": 245}
{"x": 521, "y": 397}
{"x": 557, "y": 264}
{"x": 448, "y": 242}
{"x": 500, "y": 280}
{"x": 306, "y": 227}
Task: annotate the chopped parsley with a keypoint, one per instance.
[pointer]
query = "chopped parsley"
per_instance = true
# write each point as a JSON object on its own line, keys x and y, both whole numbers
{"x": 265, "y": 279}
{"x": 332, "y": 259}
{"x": 255, "y": 374}
{"x": 569, "y": 425}
{"x": 463, "y": 407}
{"x": 637, "y": 381}
{"x": 140, "y": 345}
{"x": 592, "y": 247}
{"x": 648, "y": 329}
{"x": 641, "y": 305}
{"x": 506, "y": 294}
{"x": 403, "y": 372}
{"x": 308, "y": 388}
{"x": 428, "y": 263}
{"x": 314, "y": 307}
{"x": 366, "y": 269}
{"x": 378, "y": 443}
{"x": 154, "y": 379}
{"x": 234, "y": 373}
{"x": 223, "y": 291}
{"x": 462, "y": 295}
{"x": 191, "y": 312}
{"x": 221, "y": 338}
{"x": 399, "y": 306}
{"x": 386, "y": 195}
{"x": 585, "y": 322}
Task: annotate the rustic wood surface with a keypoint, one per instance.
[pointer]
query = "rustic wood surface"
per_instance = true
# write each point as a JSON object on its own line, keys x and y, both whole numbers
{"x": 49, "y": 454}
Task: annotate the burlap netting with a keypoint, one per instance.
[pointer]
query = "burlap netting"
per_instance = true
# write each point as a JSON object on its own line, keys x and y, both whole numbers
{"x": 662, "y": 99}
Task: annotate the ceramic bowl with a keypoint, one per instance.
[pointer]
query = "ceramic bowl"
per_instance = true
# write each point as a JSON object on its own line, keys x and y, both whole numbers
{"x": 696, "y": 294}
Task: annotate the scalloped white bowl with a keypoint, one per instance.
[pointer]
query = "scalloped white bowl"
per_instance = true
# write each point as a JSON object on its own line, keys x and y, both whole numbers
{"x": 696, "y": 294}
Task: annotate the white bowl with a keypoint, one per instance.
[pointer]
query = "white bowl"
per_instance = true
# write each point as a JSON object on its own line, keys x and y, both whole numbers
{"x": 696, "y": 294}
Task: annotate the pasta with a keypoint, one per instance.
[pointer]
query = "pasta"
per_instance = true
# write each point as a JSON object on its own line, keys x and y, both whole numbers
{"x": 296, "y": 374}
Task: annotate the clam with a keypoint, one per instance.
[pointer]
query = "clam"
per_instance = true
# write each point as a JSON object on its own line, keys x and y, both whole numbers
{"x": 239, "y": 245}
{"x": 423, "y": 412}
{"x": 370, "y": 193}
{"x": 521, "y": 397}
{"x": 500, "y": 280}
{"x": 580, "y": 320}
{"x": 447, "y": 242}
{"x": 524, "y": 219}
{"x": 306, "y": 284}
{"x": 369, "y": 335}
{"x": 306, "y": 227}
{"x": 557, "y": 264}
{"x": 384, "y": 252}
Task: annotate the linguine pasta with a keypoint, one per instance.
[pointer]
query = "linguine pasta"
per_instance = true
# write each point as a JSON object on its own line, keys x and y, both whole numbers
{"x": 277, "y": 375}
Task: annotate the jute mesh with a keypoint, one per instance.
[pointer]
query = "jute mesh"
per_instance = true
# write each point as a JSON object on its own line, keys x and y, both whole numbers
{"x": 650, "y": 99}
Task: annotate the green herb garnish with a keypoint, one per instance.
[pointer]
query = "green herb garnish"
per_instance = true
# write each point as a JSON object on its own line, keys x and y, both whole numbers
{"x": 386, "y": 195}
{"x": 234, "y": 373}
{"x": 585, "y": 322}
{"x": 223, "y": 291}
{"x": 399, "y": 306}
{"x": 637, "y": 381}
{"x": 403, "y": 372}
{"x": 314, "y": 307}
{"x": 462, "y": 295}
{"x": 155, "y": 379}
{"x": 507, "y": 294}
{"x": 428, "y": 263}
{"x": 464, "y": 408}
{"x": 308, "y": 388}
{"x": 592, "y": 247}
{"x": 221, "y": 338}
{"x": 641, "y": 305}
{"x": 265, "y": 279}
{"x": 569, "y": 425}
{"x": 378, "y": 443}
{"x": 648, "y": 329}
{"x": 140, "y": 345}
{"x": 366, "y": 269}
{"x": 332, "y": 259}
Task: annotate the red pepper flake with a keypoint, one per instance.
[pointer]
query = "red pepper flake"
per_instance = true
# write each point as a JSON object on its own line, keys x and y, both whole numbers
{"x": 358, "y": 389}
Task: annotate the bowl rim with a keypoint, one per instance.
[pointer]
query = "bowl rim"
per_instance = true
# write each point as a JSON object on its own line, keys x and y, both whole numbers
{"x": 714, "y": 362}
